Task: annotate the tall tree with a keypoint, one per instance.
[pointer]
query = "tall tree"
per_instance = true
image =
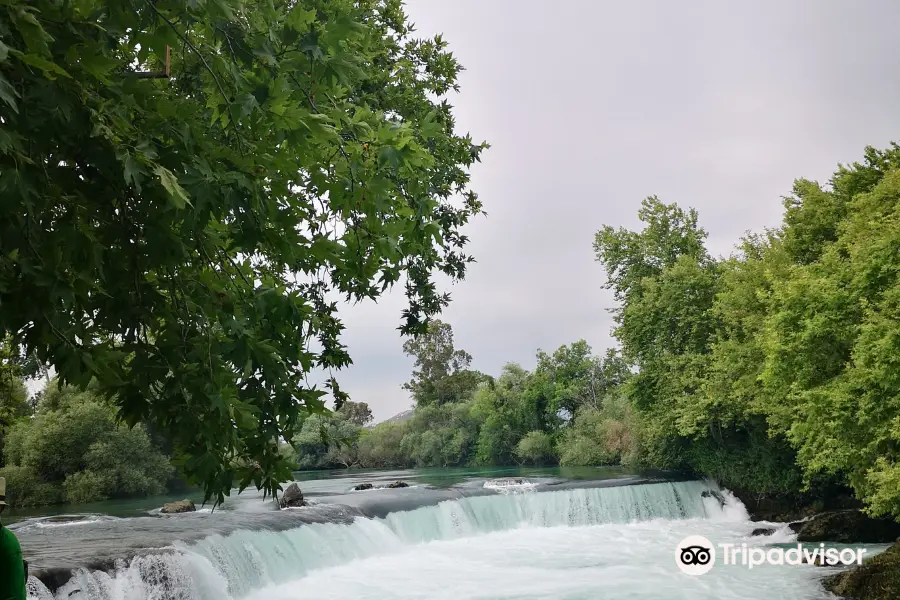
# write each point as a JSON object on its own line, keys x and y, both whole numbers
{"x": 572, "y": 377}
{"x": 441, "y": 372}
{"x": 185, "y": 188}
{"x": 357, "y": 413}
{"x": 665, "y": 282}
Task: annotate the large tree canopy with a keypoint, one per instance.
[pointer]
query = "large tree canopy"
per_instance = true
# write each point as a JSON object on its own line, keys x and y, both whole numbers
{"x": 775, "y": 370}
{"x": 182, "y": 240}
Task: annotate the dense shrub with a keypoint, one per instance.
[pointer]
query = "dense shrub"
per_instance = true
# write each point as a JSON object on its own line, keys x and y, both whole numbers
{"x": 74, "y": 450}
{"x": 535, "y": 448}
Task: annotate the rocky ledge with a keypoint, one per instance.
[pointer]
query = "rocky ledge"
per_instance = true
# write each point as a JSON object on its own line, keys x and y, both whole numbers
{"x": 847, "y": 527}
{"x": 836, "y": 517}
{"x": 876, "y": 579}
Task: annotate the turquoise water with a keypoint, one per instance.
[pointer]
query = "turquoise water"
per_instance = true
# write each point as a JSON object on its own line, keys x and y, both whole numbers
{"x": 324, "y": 483}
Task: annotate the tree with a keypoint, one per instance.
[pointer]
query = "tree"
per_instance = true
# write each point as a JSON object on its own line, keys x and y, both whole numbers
{"x": 774, "y": 370}
{"x": 606, "y": 435}
{"x": 832, "y": 338}
{"x": 187, "y": 188}
{"x": 666, "y": 283}
{"x": 441, "y": 435}
{"x": 13, "y": 395}
{"x": 689, "y": 326}
{"x": 441, "y": 372}
{"x": 326, "y": 441}
{"x": 73, "y": 450}
{"x": 505, "y": 417}
{"x": 357, "y": 413}
{"x": 572, "y": 377}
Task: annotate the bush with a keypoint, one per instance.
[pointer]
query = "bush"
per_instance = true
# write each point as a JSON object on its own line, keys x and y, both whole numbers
{"x": 748, "y": 460}
{"x": 379, "y": 447}
{"x": 74, "y": 450}
{"x": 88, "y": 486}
{"x": 611, "y": 435}
{"x": 535, "y": 448}
{"x": 25, "y": 488}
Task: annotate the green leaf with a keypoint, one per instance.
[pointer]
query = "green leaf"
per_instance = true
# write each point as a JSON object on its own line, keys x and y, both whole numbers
{"x": 8, "y": 93}
{"x": 177, "y": 195}
{"x": 299, "y": 19}
{"x": 50, "y": 69}
{"x": 132, "y": 172}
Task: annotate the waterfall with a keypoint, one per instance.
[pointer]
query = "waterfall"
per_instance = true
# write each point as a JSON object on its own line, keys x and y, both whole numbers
{"x": 232, "y": 566}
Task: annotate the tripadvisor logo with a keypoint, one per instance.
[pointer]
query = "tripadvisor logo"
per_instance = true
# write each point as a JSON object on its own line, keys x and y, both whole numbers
{"x": 696, "y": 555}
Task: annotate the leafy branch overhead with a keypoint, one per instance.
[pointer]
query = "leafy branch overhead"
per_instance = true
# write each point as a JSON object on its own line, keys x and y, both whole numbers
{"x": 183, "y": 241}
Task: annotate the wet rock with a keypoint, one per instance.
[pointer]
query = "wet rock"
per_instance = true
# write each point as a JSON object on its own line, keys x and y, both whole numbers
{"x": 713, "y": 494}
{"x": 363, "y": 486}
{"x": 878, "y": 578}
{"x": 398, "y": 484}
{"x": 796, "y": 526}
{"x": 848, "y": 527}
{"x": 181, "y": 506}
{"x": 292, "y": 497}
{"x": 763, "y": 531}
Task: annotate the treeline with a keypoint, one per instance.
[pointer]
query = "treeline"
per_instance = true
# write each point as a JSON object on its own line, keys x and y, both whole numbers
{"x": 570, "y": 409}
{"x": 775, "y": 370}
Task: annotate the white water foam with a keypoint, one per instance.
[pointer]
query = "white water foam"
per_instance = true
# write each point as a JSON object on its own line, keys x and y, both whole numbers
{"x": 634, "y": 561}
{"x": 506, "y": 486}
{"x": 54, "y": 522}
{"x": 567, "y": 539}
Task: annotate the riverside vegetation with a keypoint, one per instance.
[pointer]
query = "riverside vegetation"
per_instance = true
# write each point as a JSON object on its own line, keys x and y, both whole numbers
{"x": 775, "y": 371}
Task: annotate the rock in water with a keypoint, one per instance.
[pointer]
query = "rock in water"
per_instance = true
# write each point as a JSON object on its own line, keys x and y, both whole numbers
{"x": 181, "y": 506}
{"x": 763, "y": 531}
{"x": 876, "y": 579}
{"x": 796, "y": 526}
{"x": 363, "y": 486}
{"x": 292, "y": 497}
{"x": 398, "y": 484}
{"x": 713, "y": 494}
{"x": 848, "y": 527}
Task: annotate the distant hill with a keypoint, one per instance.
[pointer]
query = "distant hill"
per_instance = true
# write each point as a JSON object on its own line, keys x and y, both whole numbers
{"x": 402, "y": 417}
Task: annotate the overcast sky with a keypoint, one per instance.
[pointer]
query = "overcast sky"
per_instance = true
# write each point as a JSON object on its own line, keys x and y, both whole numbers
{"x": 590, "y": 106}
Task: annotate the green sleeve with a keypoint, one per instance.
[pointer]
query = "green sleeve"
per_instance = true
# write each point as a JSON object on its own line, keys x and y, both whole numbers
{"x": 12, "y": 571}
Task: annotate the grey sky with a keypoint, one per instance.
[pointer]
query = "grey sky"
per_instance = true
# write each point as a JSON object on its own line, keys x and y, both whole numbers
{"x": 592, "y": 106}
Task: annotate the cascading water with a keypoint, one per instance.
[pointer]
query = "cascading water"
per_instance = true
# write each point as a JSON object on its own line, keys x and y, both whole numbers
{"x": 235, "y": 565}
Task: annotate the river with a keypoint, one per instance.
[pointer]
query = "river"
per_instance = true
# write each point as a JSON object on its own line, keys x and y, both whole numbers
{"x": 452, "y": 534}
